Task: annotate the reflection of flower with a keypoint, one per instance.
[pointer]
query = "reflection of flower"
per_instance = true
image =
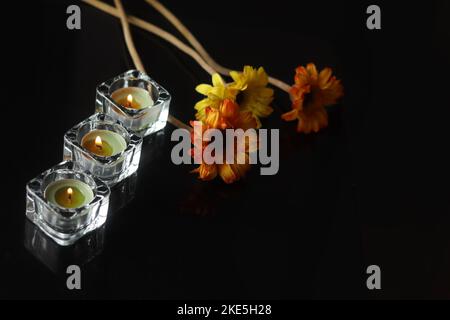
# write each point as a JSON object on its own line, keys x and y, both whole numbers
{"x": 310, "y": 94}
{"x": 254, "y": 95}
{"x": 226, "y": 116}
{"x": 215, "y": 95}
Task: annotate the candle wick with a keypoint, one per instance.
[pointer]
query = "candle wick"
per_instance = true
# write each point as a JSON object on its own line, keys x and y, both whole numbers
{"x": 98, "y": 143}
{"x": 69, "y": 194}
{"x": 129, "y": 101}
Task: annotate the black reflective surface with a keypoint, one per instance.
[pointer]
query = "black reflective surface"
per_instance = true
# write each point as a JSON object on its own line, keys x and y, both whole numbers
{"x": 370, "y": 189}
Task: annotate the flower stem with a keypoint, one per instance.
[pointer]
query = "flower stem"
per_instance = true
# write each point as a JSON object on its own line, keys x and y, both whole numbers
{"x": 155, "y": 30}
{"x": 200, "y": 49}
{"x": 128, "y": 37}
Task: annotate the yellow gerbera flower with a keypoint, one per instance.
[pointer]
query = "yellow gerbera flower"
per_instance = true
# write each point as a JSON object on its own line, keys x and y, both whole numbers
{"x": 310, "y": 94}
{"x": 254, "y": 95}
{"x": 215, "y": 95}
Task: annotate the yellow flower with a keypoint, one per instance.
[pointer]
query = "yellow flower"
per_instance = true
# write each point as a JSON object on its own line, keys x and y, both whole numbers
{"x": 254, "y": 95}
{"x": 226, "y": 116}
{"x": 215, "y": 95}
{"x": 310, "y": 94}
{"x": 248, "y": 89}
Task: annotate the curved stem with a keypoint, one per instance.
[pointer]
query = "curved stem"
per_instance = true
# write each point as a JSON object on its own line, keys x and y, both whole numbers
{"x": 135, "y": 56}
{"x": 128, "y": 38}
{"x": 200, "y": 49}
{"x": 188, "y": 35}
{"x": 155, "y": 30}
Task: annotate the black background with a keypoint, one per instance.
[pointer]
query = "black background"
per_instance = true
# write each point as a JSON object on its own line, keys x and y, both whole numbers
{"x": 370, "y": 189}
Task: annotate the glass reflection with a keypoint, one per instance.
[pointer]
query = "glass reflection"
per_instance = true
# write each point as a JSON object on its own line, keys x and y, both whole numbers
{"x": 122, "y": 194}
{"x": 57, "y": 258}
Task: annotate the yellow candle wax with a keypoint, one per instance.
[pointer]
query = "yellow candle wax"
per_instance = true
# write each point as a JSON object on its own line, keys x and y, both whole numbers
{"x": 132, "y": 98}
{"x": 103, "y": 143}
{"x": 69, "y": 193}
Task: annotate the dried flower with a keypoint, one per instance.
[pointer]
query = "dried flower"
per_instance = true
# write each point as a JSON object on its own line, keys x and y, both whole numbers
{"x": 249, "y": 90}
{"x": 254, "y": 95}
{"x": 310, "y": 94}
{"x": 226, "y": 116}
{"x": 215, "y": 95}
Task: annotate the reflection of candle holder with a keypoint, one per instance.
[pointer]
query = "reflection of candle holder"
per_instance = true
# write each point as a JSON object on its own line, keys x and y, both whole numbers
{"x": 153, "y": 146}
{"x": 143, "y": 121}
{"x": 58, "y": 258}
{"x": 66, "y": 225}
{"x": 110, "y": 169}
{"x": 122, "y": 193}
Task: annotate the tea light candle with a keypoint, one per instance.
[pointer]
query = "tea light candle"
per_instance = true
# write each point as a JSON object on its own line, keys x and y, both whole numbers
{"x": 104, "y": 143}
{"x": 133, "y": 98}
{"x": 69, "y": 193}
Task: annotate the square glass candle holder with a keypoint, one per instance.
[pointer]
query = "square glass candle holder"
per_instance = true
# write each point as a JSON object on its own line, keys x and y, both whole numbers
{"x": 143, "y": 121}
{"x": 66, "y": 225}
{"x": 111, "y": 169}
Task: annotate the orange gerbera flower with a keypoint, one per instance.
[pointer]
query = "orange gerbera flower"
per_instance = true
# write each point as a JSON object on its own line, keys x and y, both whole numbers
{"x": 310, "y": 94}
{"x": 227, "y": 116}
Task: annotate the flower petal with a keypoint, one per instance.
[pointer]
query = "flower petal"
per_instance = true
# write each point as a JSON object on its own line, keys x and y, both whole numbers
{"x": 227, "y": 174}
{"x": 202, "y": 104}
{"x": 290, "y": 116}
{"x": 217, "y": 80}
{"x": 212, "y": 118}
{"x": 312, "y": 71}
{"x": 324, "y": 78}
{"x": 206, "y": 172}
{"x": 246, "y": 120}
{"x": 228, "y": 108}
{"x": 203, "y": 89}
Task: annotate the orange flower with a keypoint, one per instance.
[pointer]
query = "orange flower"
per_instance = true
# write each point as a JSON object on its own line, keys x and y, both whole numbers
{"x": 310, "y": 94}
{"x": 227, "y": 116}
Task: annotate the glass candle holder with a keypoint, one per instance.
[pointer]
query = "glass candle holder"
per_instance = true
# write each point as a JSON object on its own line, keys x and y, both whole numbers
{"x": 136, "y": 100}
{"x": 62, "y": 222}
{"x": 124, "y": 148}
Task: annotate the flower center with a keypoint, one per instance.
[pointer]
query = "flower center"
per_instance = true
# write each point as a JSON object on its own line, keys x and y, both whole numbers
{"x": 240, "y": 98}
{"x": 311, "y": 98}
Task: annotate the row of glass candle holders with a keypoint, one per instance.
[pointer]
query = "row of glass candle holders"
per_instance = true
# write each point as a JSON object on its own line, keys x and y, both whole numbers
{"x": 71, "y": 199}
